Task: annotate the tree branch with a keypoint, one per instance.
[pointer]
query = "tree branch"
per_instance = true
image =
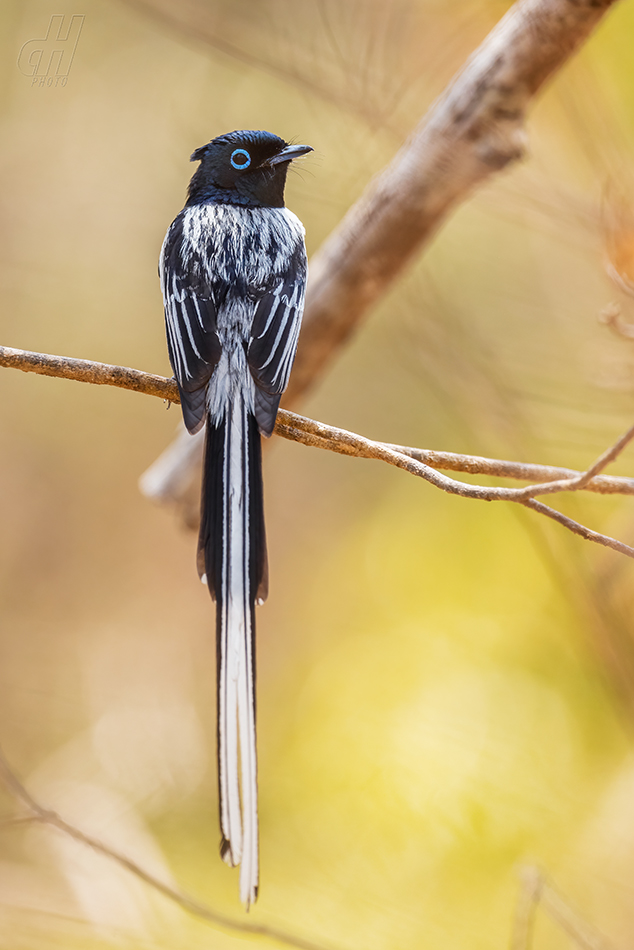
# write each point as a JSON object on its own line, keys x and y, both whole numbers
{"x": 531, "y": 883}
{"x": 420, "y": 462}
{"x": 579, "y": 529}
{"x": 85, "y": 371}
{"x": 45, "y": 816}
{"x": 537, "y": 891}
{"x": 300, "y": 429}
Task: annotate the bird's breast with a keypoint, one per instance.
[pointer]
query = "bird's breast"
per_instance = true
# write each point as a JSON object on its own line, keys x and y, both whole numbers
{"x": 243, "y": 248}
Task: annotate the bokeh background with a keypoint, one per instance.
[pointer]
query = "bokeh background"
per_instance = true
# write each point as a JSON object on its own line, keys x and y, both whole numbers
{"x": 446, "y": 689}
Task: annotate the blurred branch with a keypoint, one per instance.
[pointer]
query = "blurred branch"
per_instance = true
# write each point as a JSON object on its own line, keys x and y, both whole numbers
{"x": 474, "y": 130}
{"x": 199, "y": 23}
{"x": 13, "y": 822}
{"x": 45, "y": 816}
{"x": 536, "y": 891}
{"x": 612, "y": 316}
{"x": 531, "y": 883}
{"x": 423, "y": 463}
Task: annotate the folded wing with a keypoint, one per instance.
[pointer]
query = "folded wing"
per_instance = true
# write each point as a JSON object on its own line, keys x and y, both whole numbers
{"x": 273, "y": 342}
{"x": 190, "y": 321}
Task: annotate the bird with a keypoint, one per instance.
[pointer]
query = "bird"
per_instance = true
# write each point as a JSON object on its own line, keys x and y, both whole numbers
{"x": 233, "y": 273}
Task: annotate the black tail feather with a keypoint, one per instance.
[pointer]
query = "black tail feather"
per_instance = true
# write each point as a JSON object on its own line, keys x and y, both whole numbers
{"x": 210, "y": 538}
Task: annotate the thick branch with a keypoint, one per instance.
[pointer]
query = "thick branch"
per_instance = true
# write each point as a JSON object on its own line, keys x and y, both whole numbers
{"x": 37, "y": 812}
{"x": 475, "y": 129}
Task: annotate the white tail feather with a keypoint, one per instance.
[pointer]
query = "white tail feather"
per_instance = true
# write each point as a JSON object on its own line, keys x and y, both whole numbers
{"x": 238, "y": 789}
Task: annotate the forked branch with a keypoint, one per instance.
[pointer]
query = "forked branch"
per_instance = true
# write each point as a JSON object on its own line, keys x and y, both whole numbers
{"x": 536, "y": 891}
{"x": 545, "y": 480}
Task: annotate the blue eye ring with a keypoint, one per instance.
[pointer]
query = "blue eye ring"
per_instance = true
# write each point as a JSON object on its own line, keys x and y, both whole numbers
{"x": 240, "y": 166}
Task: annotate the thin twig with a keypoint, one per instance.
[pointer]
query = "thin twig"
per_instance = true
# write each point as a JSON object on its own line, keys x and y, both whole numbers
{"x": 579, "y": 529}
{"x": 549, "y": 478}
{"x": 47, "y": 817}
{"x": 18, "y": 821}
{"x": 606, "y": 457}
{"x": 309, "y": 432}
{"x": 570, "y": 921}
{"x": 536, "y": 891}
{"x": 531, "y": 883}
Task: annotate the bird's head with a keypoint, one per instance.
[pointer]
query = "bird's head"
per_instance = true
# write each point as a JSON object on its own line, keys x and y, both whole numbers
{"x": 243, "y": 168}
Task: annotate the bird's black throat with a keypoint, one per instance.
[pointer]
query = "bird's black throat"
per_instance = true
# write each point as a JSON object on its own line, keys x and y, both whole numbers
{"x": 263, "y": 188}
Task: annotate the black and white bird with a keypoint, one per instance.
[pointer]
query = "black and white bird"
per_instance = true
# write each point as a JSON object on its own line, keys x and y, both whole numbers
{"x": 233, "y": 274}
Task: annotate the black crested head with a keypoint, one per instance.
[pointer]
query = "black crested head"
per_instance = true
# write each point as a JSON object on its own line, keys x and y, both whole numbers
{"x": 243, "y": 168}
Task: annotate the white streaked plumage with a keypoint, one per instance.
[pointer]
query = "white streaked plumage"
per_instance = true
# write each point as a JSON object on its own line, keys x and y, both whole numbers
{"x": 233, "y": 281}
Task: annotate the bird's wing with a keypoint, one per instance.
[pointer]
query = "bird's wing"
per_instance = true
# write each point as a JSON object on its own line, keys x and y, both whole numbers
{"x": 274, "y": 335}
{"x": 190, "y": 320}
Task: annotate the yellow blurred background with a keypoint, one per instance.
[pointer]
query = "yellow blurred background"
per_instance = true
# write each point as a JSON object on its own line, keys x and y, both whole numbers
{"x": 446, "y": 689}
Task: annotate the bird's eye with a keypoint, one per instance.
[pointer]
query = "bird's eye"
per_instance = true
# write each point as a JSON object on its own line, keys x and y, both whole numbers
{"x": 240, "y": 159}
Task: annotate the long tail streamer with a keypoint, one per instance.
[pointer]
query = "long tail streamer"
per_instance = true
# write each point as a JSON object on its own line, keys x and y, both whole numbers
{"x": 232, "y": 554}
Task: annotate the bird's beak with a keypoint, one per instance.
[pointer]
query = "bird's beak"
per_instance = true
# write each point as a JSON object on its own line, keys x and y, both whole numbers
{"x": 287, "y": 155}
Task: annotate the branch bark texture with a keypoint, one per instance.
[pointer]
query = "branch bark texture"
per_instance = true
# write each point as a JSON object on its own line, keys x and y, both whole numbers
{"x": 86, "y": 371}
{"x": 421, "y": 462}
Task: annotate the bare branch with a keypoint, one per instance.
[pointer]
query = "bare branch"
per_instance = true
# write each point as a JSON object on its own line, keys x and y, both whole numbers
{"x": 418, "y": 462}
{"x": 298, "y": 428}
{"x": 169, "y": 477}
{"x": 605, "y": 458}
{"x": 85, "y": 371}
{"x": 47, "y": 817}
{"x": 570, "y": 921}
{"x": 553, "y": 479}
{"x": 17, "y": 822}
{"x": 531, "y": 883}
{"x": 579, "y": 529}
{"x": 537, "y": 891}
{"x": 523, "y": 471}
